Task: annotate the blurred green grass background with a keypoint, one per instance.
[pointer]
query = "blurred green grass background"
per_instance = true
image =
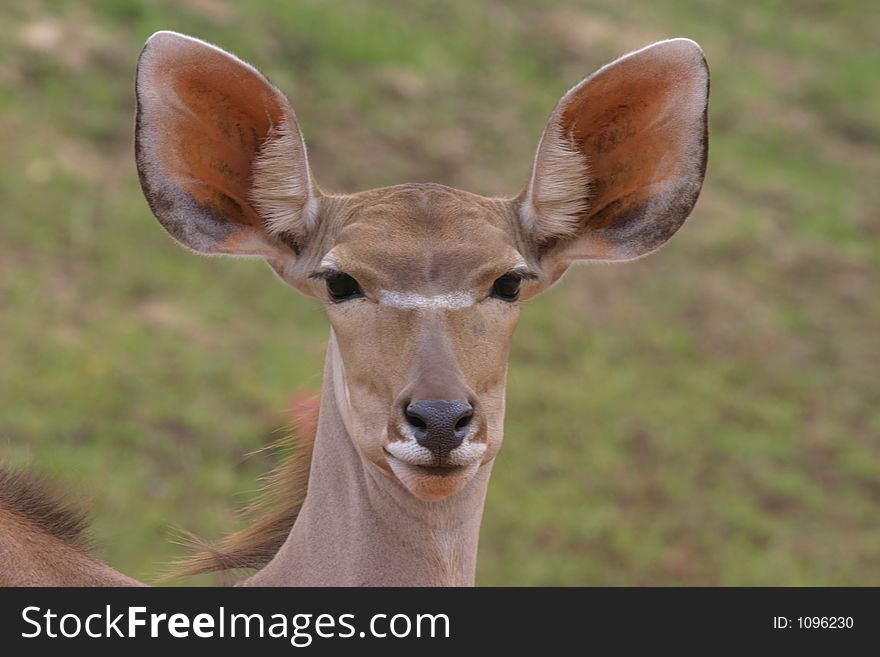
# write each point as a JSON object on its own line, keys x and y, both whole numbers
{"x": 708, "y": 415}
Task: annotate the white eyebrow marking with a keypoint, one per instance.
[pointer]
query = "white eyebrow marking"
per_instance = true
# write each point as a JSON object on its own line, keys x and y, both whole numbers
{"x": 412, "y": 301}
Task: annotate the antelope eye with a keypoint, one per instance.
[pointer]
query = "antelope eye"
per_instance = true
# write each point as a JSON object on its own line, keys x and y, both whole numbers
{"x": 506, "y": 288}
{"x": 342, "y": 287}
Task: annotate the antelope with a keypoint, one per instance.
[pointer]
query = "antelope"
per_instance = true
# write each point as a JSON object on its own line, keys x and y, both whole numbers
{"x": 422, "y": 285}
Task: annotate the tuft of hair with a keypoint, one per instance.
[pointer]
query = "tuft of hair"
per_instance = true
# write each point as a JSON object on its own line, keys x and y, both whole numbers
{"x": 282, "y": 188}
{"x": 44, "y": 505}
{"x": 558, "y": 192}
{"x": 272, "y": 514}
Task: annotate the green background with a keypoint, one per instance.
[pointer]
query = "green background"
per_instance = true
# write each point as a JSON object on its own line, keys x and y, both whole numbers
{"x": 708, "y": 415}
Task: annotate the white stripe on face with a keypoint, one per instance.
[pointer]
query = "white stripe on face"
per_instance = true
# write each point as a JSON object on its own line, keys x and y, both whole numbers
{"x": 412, "y": 301}
{"x": 329, "y": 262}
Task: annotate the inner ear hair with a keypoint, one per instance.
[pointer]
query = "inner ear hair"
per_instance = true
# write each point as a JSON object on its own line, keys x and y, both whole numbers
{"x": 554, "y": 201}
{"x": 282, "y": 190}
{"x": 220, "y": 155}
{"x": 621, "y": 162}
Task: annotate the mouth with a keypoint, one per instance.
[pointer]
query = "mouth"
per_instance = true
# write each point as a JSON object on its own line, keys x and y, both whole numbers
{"x": 436, "y": 470}
{"x": 431, "y": 482}
{"x": 441, "y": 470}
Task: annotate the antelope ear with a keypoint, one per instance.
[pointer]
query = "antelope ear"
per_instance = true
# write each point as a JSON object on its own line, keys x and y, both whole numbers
{"x": 621, "y": 161}
{"x": 219, "y": 153}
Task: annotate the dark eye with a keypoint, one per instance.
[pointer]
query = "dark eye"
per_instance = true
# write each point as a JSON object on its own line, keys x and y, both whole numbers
{"x": 506, "y": 287}
{"x": 342, "y": 287}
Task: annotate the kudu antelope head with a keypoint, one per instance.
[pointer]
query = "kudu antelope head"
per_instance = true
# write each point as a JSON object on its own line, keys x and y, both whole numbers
{"x": 422, "y": 283}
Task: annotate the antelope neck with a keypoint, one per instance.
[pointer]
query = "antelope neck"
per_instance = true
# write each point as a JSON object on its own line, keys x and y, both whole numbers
{"x": 360, "y": 527}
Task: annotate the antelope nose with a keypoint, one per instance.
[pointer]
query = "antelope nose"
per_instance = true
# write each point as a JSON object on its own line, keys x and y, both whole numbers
{"x": 439, "y": 425}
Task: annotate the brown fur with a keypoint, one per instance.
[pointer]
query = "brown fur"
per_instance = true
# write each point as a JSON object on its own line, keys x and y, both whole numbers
{"x": 40, "y": 503}
{"x": 43, "y": 538}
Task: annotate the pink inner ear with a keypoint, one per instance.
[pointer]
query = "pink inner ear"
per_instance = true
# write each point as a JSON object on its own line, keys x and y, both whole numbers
{"x": 210, "y": 114}
{"x": 634, "y": 134}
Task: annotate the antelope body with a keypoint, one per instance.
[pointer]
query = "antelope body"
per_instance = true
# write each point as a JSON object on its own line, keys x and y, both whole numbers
{"x": 422, "y": 285}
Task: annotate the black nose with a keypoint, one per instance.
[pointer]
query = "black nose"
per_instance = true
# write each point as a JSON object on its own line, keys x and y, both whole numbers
{"x": 439, "y": 425}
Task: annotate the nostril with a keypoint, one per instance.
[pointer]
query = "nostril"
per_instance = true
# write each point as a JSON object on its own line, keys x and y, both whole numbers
{"x": 464, "y": 420}
{"x": 415, "y": 421}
